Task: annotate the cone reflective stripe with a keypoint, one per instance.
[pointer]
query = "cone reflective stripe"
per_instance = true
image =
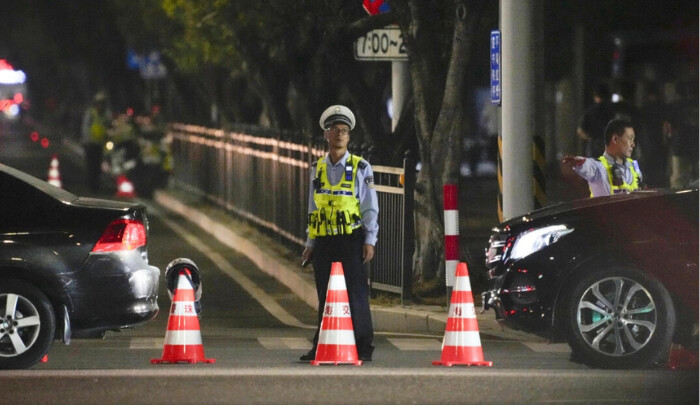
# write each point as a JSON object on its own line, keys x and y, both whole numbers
{"x": 461, "y": 344}
{"x": 54, "y": 174}
{"x": 183, "y": 340}
{"x": 336, "y": 339}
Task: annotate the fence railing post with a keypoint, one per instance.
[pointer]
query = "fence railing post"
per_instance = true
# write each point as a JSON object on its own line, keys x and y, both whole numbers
{"x": 409, "y": 183}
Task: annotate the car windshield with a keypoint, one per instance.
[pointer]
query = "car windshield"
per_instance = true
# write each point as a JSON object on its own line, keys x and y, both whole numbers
{"x": 53, "y": 191}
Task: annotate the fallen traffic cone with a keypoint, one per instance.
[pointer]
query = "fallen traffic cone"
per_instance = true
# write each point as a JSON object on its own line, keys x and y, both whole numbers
{"x": 125, "y": 188}
{"x": 462, "y": 344}
{"x": 680, "y": 358}
{"x": 54, "y": 174}
{"x": 336, "y": 339}
{"x": 183, "y": 340}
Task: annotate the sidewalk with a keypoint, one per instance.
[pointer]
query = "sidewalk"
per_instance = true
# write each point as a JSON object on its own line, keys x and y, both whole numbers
{"x": 281, "y": 264}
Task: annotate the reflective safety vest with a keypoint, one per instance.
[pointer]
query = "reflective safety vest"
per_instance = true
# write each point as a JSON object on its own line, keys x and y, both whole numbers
{"x": 98, "y": 126}
{"x": 338, "y": 210}
{"x": 624, "y": 187}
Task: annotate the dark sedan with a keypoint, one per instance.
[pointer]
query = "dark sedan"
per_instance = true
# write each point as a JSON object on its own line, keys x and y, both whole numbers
{"x": 617, "y": 276}
{"x": 69, "y": 267}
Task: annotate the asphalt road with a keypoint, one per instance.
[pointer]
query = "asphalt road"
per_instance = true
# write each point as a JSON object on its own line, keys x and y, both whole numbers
{"x": 256, "y": 329}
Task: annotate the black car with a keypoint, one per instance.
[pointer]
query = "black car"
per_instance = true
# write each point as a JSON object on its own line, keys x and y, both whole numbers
{"x": 616, "y": 276}
{"x": 69, "y": 267}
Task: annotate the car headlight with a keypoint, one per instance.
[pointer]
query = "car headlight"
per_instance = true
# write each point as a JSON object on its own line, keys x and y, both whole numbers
{"x": 532, "y": 241}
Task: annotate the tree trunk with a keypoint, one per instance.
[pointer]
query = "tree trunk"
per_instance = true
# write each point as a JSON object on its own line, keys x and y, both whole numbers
{"x": 439, "y": 132}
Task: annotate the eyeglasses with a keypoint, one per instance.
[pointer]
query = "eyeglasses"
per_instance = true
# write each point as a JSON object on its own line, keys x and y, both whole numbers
{"x": 340, "y": 131}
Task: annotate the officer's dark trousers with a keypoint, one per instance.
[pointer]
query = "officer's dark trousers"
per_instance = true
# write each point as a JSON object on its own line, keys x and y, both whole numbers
{"x": 93, "y": 165}
{"x": 346, "y": 249}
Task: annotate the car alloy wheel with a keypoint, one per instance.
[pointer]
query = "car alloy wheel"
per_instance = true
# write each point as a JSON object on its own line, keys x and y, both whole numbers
{"x": 19, "y": 324}
{"x": 616, "y": 316}
{"x": 27, "y": 325}
{"x": 621, "y": 319}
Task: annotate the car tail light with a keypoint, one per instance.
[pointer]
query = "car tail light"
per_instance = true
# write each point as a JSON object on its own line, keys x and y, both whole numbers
{"x": 121, "y": 235}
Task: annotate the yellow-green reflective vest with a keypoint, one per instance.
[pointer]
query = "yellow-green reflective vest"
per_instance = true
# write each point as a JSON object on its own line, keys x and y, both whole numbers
{"x": 338, "y": 210}
{"x": 98, "y": 126}
{"x": 625, "y": 187}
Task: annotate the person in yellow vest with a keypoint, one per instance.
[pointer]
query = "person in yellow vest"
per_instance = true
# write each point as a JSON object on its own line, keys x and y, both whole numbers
{"x": 96, "y": 124}
{"x": 614, "y": 172}
{"x": 342, "y": 225}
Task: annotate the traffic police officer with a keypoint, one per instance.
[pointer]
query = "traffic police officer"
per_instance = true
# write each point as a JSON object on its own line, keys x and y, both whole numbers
{"x": 95, "y": 127}
{"x": 343, "y": 227}
{"x": 614, "y": 172}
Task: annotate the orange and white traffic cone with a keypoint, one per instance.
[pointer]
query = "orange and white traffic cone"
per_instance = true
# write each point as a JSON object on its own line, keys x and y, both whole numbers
{"x": 183, "y": 340}
{"x": 462, "y": 344}
{"x": 336, "y": 339}
{"x": 54, "y": 174}
{"x": 125, "y": 188}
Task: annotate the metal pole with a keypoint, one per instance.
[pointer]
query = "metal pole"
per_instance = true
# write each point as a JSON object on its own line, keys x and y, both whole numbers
{"x": 451, "y": 212}
{"x": 518, "y": 113}
{"x": 409, "y": 170}
{"x": 399, "y": 87}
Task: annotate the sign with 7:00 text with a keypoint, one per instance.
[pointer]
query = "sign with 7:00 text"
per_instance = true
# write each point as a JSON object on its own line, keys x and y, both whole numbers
{"x": 383, "y": 44}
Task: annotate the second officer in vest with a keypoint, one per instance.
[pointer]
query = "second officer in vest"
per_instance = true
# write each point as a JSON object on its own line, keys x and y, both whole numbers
{"x": 614, "y": 172}
{"x": 342, "y": 225}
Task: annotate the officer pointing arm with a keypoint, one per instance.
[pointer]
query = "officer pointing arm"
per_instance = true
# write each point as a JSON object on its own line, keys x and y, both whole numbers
{"x": 614, "y": 172}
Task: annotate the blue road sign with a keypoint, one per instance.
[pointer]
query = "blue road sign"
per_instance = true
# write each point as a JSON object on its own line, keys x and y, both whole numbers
{"x": 496, "y": 67}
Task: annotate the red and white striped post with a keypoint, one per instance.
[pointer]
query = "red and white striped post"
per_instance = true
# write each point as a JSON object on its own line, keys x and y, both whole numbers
{"x": 451, "y": 235}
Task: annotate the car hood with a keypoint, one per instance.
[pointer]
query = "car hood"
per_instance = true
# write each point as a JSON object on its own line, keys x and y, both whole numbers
{"x": 563, "y": 210}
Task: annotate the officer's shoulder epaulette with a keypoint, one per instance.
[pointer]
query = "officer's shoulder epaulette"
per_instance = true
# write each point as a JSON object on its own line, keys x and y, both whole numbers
{"x": 362, "y": 164}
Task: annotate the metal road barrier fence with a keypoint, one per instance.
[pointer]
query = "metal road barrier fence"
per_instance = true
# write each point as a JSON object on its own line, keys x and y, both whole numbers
{"x": 266, "y": 180}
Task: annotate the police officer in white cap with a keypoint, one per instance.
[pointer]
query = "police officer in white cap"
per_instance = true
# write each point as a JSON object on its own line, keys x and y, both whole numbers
{"x": 342, "y": 225}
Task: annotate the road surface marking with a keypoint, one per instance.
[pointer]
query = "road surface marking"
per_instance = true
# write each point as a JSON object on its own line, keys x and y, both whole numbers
{"x": 548, "y": 347}
{"x": 140, "y": 343}
{"x": 280, "y": 343}
{"x": 249, "y": 286}
{"x": 415, "y": 344}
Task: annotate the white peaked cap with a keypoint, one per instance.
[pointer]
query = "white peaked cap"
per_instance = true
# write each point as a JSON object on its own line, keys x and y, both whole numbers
{"x": 337, "y": 114}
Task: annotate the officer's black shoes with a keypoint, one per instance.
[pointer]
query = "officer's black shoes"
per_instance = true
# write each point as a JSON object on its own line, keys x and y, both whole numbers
{"x": 311, "y": 355}
{"x": 366, "y": 355}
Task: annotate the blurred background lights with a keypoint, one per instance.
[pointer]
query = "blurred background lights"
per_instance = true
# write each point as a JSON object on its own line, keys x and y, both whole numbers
{"x": 8, "y": 75}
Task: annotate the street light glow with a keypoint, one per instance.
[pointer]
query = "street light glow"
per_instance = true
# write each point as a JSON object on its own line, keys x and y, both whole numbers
{"x": 8, "y": 75}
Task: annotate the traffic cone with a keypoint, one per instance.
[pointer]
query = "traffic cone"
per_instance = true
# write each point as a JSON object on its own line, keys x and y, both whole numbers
{"x": 680, "y": 358}
{"x": 125, "y": 188}
{"x": 54, "y": 173}
{"x": 336, "y": 339}
{"x": 183, "y": 340}
{"x": 462, "y": 344}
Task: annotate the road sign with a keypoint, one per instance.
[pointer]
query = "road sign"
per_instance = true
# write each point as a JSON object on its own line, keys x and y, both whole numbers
{"x": 151, "y": 67}
{"x": 383, "y": 44}
{"x": 375, "y": 6}
{"x": 496, "y": 67}
{"x": 133, "y": 60}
